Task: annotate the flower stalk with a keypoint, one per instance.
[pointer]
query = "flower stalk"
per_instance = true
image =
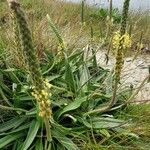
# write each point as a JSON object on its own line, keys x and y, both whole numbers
{"x": 40, "y": 86}
{"x": 120, "y": 42}
{"x": 124, "y": 42}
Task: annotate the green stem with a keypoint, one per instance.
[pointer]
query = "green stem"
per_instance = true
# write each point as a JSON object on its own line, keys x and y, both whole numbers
{"x": 48, "y": 131}
{"x": 133, "y": 95}
{"x": 12, "y": 108}
{"x": 119, "y": 59}
{"x": 5, "y": 98}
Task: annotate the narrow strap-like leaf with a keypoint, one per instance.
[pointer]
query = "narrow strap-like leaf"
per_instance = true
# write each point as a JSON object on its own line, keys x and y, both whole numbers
{"x": 13, "y": 123}
{"x": 9, "y": 138}
{"x": 34, "y": 127}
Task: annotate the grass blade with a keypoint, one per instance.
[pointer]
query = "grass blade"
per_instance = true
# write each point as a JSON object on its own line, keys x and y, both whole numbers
{"x": 69, "y": 77}
{"x": 11, "y": 124}
{"x": 39, "y": 145}
{"x": 34, "y": 127}
{"x": 65, "y": 142}
{"x": 74, "y": 105}
{"x": 9, "y": 138}
{"x": 55, "y": 29}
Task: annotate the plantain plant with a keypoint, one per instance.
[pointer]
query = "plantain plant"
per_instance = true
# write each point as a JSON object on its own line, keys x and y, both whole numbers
{"x": 54, "y": 116}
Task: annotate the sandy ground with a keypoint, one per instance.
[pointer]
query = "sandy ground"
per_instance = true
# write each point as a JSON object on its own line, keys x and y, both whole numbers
{"x": 134, "y": 72}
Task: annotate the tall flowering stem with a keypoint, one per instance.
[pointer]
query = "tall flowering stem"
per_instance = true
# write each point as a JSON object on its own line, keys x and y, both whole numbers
{"x": 40, "y": 86}
{"x": 124, "y": 42}
{"x": 19, "y": 53}
{"x": 121, "y": 41}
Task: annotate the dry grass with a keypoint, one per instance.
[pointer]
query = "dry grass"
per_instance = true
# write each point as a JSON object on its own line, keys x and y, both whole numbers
{"x": 67, "y": 16}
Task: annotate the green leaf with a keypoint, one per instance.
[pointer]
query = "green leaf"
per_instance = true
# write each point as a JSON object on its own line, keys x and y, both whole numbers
{"x": 59, "y": 147}
{"x": 63, "y": 130}
{"x": 73, "y": 105}
{"x": 25, "y": 98}
{"x": 32, "y": 112}
{"x": 84, "y": 72}
{"x": 84, "y": 77}
{"x": 4, "y": 87}
{"x": 39, "y": 144}
{"x": 13, "y": 123}
{"x": 55, "y": 29}
{"x": 95, "y": 65}
{"x": 34, "y": 127}
{"x": 10, "y": 70}
{"x": 102, "y": 123}
{"x": 4, "y": 97}
{"x": 24, "y": 126}
{"x": 15, "y": 145}
{"x": 69, "y": 77}
{"x": 51, "y": 78}
{"x": 9, "y": 138}
{"x": 105, "y": 133}
{"x": 133, "y": 135}
{"x": 75, "y": 54}
{"x": 65, "y": 142}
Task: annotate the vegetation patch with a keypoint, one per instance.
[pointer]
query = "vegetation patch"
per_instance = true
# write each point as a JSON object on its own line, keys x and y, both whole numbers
{"x": 53, "y": 93}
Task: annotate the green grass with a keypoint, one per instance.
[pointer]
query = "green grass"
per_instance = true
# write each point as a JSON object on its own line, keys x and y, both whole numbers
{"x": 141, "y": 124}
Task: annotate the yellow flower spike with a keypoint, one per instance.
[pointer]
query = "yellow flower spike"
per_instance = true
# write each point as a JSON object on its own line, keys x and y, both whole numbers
{"x": 127, "y": 41}
{"x": 116, "y": 40}
{"x": 48, "y": 102}
{"x": 41, "y": 107}
{"x": 32, "y": 93}
{"x": 48, "y": 110}
{"x": 39, "y": 96}
{"x": 50, "y": 94}
{"x": 35, "y": 96}
{"x": 46, "y": 81}
{"x": 33, "y": 87}
{"x": 48, "y": 114}
{"x": 32, "y": 63}
{"x": 42, "y": 114}
{"x": 42, "y": 102}
{"x": 49, "y": 85}
{"x": 44, "y": 93}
